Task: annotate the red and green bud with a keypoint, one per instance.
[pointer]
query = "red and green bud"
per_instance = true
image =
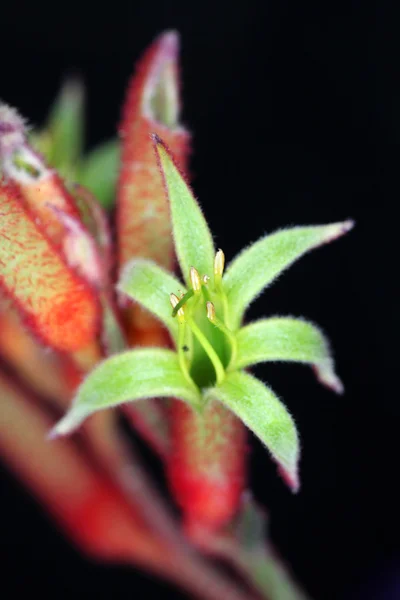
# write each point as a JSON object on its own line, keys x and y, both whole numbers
{"x": 59, "y": 306}
{"x": 143, "y": 223}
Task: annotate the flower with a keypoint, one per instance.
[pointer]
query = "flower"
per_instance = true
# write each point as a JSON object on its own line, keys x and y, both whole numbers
{"x": 212, "y": 347}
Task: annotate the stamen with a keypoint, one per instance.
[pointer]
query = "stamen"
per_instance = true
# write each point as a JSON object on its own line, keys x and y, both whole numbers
{"x": 195, "y": 280}
{"x": 182, "y": 300}
{"x": 181, "y": 338}
{"x": 206, "y": 279}
{"x": 219, "y": 263}
{"x": 211, "y": 312}
{"x": 179, "y": 310}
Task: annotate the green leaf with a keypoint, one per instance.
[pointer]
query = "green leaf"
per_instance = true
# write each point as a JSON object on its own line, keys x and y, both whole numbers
{"x": 257, "y": 266}
{"x": 193, "y": 242}
{"x": 262, "y": 412}
{"x": 99, "y": 172}
{"x": 149, "y": 285}
{"x": 66, "y": 126}
{"x": 132, "y": 375}
{"x": 287, "y": 339}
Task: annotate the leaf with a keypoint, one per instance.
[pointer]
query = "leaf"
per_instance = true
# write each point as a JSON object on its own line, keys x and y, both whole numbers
{"x": 56, "y": 304}
{"x": 149, "y": 285}
{"x": 132, "y": 375}
{"x": 99, "y": 171}
{"x": 258, "y": 407}
{"x": 193, "y": 242}
{"x": 257, "y": 266}
{"x": 286, "y": 339}
{"x": 66, "y": 126}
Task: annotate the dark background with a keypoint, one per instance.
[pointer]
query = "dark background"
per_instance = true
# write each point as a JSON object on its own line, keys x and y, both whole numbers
{"x": 296, "y": 120}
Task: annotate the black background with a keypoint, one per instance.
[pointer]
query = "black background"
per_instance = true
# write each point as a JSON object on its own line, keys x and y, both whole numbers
{"x": 296, "y": 120}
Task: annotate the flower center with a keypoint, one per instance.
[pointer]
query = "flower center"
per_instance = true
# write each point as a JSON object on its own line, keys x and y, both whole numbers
{"x": 205, "y": 344}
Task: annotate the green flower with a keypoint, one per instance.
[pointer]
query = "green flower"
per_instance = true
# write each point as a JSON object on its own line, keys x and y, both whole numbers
{"x": 212, "y": 348}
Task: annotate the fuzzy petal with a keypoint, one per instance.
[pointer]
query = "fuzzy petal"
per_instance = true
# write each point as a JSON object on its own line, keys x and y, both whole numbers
{"x": 256, "y": 267}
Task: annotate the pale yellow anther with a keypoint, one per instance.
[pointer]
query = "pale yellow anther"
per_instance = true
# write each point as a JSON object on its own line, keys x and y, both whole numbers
{"x": 210, "y": 312}
{"x": 219, "y": 263}
{"x": 206, "y": 279}
{"x": 181, "y": 313}
{"x": 195, "y": 280}
{"x": 174, "y": 300}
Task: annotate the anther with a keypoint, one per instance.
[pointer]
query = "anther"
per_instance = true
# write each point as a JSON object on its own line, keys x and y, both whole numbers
{"x": 206, "y": 279}
{"x": 195, "y": 280}
{"x": 219, "y": 263}
{"x": 181, "y": 313}
{"x": 211, "y": 312}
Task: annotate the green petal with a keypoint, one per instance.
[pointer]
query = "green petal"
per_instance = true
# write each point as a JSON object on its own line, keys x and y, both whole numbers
{"x": 132, "y": 375}
{"x": 258, "y": 407}
{"x": 149, "y": 285}
{"x": 286, "y": 339}
{"x": 99, "y": 172}
{"x": 257, "y": 266}
{"x": 193, "y": 242}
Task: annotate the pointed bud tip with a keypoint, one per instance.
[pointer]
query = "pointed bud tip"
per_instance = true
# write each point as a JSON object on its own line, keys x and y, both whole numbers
{"x": 169, "y": 43}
